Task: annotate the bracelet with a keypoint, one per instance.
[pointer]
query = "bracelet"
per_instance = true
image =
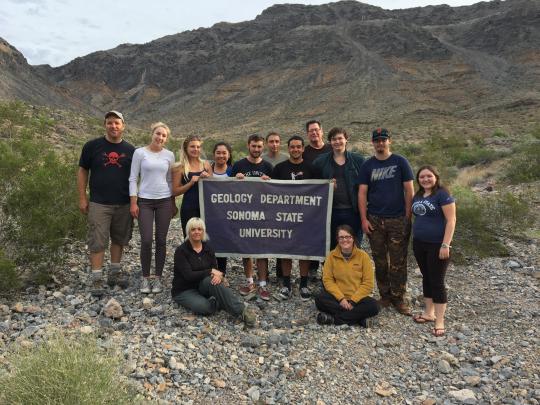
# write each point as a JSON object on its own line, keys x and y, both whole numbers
{"x": 445, "y": 245}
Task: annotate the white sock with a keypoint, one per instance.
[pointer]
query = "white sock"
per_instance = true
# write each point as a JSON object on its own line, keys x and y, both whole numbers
{"x": 262, "y": 283}
{"x": 249, "y": 280}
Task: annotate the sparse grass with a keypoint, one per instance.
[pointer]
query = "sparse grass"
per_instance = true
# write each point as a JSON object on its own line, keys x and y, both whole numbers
{"x": 64, "y": 371}
{"x": 524, "y": 164}
{"x": 482, "y": 220}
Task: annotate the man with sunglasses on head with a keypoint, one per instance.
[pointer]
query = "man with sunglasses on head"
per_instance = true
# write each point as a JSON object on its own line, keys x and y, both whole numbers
{"x": 385, "y": 199}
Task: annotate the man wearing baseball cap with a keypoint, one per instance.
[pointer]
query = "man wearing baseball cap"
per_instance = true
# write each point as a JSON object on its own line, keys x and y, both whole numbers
{"x": 104, "y": 168}
{"x": 385, "y": 199}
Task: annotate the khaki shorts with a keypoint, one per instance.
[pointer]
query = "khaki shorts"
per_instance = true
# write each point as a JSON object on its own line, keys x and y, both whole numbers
{"x": 104, "y": 221}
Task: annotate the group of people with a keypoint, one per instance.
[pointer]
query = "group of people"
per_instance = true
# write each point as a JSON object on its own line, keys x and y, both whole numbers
{"x": 373, "y": 197}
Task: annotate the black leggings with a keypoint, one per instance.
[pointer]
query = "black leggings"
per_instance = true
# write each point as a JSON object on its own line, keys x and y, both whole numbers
{"x": 433, "y": 270}
{"x": 365, "y": 308}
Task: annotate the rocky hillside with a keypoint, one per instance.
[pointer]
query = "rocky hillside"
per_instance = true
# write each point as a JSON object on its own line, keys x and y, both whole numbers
{"x": 20, "y": 81}
{"x": 434, "y": 68}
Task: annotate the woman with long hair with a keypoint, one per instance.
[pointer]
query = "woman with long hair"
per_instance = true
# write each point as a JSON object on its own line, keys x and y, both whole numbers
{"x": 348, "y": 280}
{"x": 150, "y": 191}
{"x": 186, "y": 176}
{"x": 433, "y": 229}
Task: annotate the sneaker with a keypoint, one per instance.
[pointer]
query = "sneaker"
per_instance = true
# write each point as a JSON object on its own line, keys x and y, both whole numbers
{"x": 285, "y": 293}
{"x": 249, "y": 317}
{"x": 96, "y": 288}
{"x": 263, "y": 292}
{"x": 325, "y": 319}
{"x": 213, "y": 303}
{"x": 157, "y": 287}
{"x": 115, "y": 276}
{"x": 145, "y": 286}
{"x": 367, "y": 323}
{"x": 248, "y": 289}
{"x": 305, "y": 294}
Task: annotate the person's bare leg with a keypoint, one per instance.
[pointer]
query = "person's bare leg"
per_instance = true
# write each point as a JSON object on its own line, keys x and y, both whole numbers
{"x": 440, "y": 310}
{"x": 248, "y": 267}
{"x": 304, "y": 266}
{"x": 286, "y": 267}
{"x": 96, "y": 260}
{"x": 262, "y": 269}
{"x": 116, "y": 252}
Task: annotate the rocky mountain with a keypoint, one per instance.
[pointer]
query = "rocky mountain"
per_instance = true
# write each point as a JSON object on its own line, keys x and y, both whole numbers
{"x": 19, "y": 80}
{"x": 428, "y": 69}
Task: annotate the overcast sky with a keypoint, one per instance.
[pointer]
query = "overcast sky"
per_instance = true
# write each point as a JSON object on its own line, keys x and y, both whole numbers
{"x": 57, "y": 31}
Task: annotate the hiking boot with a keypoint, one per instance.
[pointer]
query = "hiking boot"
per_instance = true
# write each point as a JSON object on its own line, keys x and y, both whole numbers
{"x": 403, "y": 308}
{"x": 367, "y": 323}
{"x": 305, "y": 294}
{"x": 325, "y": 319}
{"x": 248, "y": 289}
{"x": 384, "y": 302}
{"x": 249, "y": 317}
{"x": 96, "y": 287}
{"x": 263, "y": 293}
{"x": 115, "y": 276}
{"x": 145, "y": 286}
{"x": 285, "y": 293}
{"x": 157, "y": 287}
{"x": 213, "y": 303}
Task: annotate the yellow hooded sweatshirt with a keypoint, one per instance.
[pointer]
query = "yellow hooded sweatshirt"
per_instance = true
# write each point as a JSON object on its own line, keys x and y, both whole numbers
{"x": 351, "y": 279}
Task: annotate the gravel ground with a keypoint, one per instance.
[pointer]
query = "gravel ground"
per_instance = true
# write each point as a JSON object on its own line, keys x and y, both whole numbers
{"x": 490, "y": 354}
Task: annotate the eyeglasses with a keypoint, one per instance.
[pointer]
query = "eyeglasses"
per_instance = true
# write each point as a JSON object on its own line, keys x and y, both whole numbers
{"x": 348, "y": 237}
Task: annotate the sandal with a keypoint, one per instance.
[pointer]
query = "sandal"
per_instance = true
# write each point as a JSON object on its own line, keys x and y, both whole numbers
{"x": 419, "y": 318}
{"x": 438, "y": 332}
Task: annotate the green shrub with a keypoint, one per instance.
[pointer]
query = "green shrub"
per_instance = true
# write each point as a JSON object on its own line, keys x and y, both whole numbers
{"x": 524, "y": 163}
{"x": 39, "y": 204}
{"x": 64, "y": 371}
{"x": 9, "y": 278}
{"x": 481, "y": 220}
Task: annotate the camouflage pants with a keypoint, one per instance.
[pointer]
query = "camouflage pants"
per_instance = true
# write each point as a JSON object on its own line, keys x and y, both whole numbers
{"x": 389, "y": 241}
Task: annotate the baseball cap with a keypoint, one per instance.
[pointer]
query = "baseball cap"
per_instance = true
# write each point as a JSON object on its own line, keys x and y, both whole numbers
{"x": 116, "y": 114}
{"x": 379, "y": 133}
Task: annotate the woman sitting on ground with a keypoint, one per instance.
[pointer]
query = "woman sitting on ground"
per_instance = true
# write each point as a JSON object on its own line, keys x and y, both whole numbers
{"x": 197, "y": 283}
{"x": 435, "y": 220}
{"x": 348, "y": 284}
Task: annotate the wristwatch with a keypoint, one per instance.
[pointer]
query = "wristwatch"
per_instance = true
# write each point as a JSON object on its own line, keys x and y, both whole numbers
{"x": 445, "y": 245}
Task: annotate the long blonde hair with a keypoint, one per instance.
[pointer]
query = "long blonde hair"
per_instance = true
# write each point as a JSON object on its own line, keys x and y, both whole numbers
{"x": 184, "y": 158}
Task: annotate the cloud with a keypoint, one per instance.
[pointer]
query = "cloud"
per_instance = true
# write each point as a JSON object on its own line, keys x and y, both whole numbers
{"x": 27, "y": 2}
{"x": 87, "y": 23}
{"x": 34, "y": 11}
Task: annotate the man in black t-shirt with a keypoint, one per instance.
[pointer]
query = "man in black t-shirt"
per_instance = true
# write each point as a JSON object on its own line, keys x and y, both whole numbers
{"x": 104, "y": 166}
{"x": 316, "y": 146}
{"x": 254, "y": 166}
{"x": 295, "y": 168}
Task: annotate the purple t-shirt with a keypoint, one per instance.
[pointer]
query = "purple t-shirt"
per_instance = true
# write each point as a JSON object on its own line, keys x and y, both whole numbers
{"x": 429, "y": 220}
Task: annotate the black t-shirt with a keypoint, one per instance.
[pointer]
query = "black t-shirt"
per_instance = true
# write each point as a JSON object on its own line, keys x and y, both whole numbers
{"x": 310, "y": 153}
{"x": 109, "y": 165}
{"x": 342, "y": 199}
{"x": 249, "y": 169}
{"x": 294, "y": 171}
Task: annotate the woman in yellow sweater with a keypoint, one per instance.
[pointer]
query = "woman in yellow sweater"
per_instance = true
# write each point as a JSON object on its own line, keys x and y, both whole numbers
{"x": 348, "y": 281}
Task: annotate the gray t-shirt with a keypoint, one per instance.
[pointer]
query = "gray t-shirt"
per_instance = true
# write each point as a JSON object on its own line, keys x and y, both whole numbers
{"x": 281, "y": 157}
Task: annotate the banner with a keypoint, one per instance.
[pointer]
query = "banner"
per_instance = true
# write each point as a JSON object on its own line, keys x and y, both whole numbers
{"x": 267, "y": 218}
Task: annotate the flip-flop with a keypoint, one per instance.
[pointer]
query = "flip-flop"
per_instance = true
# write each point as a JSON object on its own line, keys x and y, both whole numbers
{"x": 438, "y": 332}
{"x": 420, "y": 319}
